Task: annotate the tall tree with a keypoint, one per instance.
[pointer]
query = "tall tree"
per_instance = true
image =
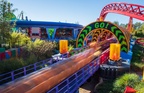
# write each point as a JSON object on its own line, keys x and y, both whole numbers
{"x": 137, "y": 25}
{"x": 123, "y": 25}
{"x": 116, "y": 22}
{"x": 6, "y": 14}
{"x": 139, "y": 32}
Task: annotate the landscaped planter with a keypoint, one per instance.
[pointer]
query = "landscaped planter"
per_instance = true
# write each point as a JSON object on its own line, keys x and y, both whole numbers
{"x": 19, "y": 51}
{"x": 2, "y": 56}
{"x": 2, "y": 50}
{"x": 8, "y": 54}
{"x": 13, "y": 51}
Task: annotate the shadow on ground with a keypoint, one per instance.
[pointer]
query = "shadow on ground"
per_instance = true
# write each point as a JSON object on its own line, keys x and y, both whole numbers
{"x": 90, "y": 86}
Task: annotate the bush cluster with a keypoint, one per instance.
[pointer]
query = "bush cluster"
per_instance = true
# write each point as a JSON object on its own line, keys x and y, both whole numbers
{"x": 31, "y": 52}
{"x": 15, "y": 63}
{"x": 120, "y": 84}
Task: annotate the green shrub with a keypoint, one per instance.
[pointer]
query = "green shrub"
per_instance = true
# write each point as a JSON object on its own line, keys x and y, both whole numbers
{"x": 72, "y": 42}
{"x": 11, "y": 64}
{"x": 18, "y": 39}
{"x": 41, "y": 49}
{"x": 125, "y": 80}
{"x": 70, "y": 47}
{"x": 16, "y": 63}
{"x": 140, "y": 87}
{"x": 45, "y": 50}
{"x": 35, "y": 44}
{"x": 138, "y": 55}
{"x": 31, "y": 53}
{"x": 30, "y": 60}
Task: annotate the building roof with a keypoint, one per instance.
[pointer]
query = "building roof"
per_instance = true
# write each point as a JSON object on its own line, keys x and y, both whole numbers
{"x": 44, "y": 23}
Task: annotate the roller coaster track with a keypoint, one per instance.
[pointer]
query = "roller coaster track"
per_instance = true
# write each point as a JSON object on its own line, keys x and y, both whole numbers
{"x": 131, "y": 10}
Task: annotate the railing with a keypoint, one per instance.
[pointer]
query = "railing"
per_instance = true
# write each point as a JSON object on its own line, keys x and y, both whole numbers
{"x": 73, "y": 82}
{"x": 10, "y": 76}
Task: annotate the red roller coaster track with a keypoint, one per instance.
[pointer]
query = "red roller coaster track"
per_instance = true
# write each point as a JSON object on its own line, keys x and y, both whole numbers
{"x": 132, "y": 10}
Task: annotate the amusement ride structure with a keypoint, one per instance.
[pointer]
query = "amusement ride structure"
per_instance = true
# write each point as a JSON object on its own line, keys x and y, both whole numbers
{"x": 67, "y": 75}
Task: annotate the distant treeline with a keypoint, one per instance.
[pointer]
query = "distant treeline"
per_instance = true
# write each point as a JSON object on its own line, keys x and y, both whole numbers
{"x": 137, "y": 30}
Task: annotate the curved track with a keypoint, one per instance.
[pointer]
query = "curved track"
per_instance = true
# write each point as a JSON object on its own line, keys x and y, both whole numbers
{"x": 99, "y": 27}
{"x": 131, "y": 10}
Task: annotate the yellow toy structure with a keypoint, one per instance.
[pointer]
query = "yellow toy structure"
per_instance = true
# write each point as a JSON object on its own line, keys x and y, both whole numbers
{"x": 114, "y": 51}
{"x": 63, "y": 46}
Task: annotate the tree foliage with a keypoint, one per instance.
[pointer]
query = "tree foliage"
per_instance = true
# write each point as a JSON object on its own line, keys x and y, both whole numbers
{"x": 40, "y": 49}
{"x": 18, "y": 39}
{"x": 116, "y": 22}
{"x": 6, "y": 14}
{"x": 137, "y": 30}
{"x": 44, "y": 50}
{"x": 137, "y": 25}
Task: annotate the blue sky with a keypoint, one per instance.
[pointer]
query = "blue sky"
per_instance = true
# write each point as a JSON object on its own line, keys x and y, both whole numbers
{"x": 71, "y": 11}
